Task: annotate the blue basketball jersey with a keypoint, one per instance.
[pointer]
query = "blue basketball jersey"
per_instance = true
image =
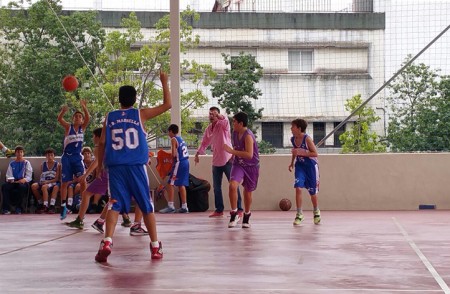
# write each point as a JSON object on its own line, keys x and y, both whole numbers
{"x": 73, "y": 142}
{"x": 301, "y": 159}
{"x": 126, "y": 139}
{"x": 47, "y": 173}
{"x": 182, "y": 150}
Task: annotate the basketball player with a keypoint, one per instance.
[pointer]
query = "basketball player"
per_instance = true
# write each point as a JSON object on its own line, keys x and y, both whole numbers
{"x": 72, "y": 160}
{"x": 99, "y": 185}
{"x": 245, "y": 168}
{"x": 179, "y": 175}
{"x": 306, "y": 169}
{"x": 123, "y": 150}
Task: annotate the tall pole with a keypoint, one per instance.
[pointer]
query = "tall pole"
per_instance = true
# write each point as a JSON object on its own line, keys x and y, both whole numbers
{"x": 175, "y": 61}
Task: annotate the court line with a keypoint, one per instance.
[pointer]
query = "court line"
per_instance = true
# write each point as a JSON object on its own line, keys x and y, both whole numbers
{"x": 40, "y": 243}
{"x": 423, "y": 258}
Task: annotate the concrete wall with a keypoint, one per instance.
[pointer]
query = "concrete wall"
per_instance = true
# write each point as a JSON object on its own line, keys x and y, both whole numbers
{"x": 348, "y": 182}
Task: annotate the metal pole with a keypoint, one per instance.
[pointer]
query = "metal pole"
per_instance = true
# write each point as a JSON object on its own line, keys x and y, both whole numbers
{"x": 175, "y": 62}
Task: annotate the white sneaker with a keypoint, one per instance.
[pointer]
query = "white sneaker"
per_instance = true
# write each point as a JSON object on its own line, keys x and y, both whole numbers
{"x": 234, "y": 219}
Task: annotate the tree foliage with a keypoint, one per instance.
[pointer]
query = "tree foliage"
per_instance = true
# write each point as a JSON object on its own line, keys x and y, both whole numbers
{"x": 121, "y": 62}
{"x": 420, "y": 103}
{"x": 360, "y": 139}
{"x": 36, "y": 54}
{"x": 236, "y": 88}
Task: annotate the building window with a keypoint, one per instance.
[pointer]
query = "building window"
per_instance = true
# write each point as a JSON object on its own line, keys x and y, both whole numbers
{"x": 318, "y": 132}
{"x": 340, "y": 131}
{"x": 273, "y": 132}
{"x": 300, "y": 60}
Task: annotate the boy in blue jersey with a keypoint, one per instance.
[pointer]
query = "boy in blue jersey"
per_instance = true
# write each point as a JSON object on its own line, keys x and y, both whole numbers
{"x": 123, "y": 150}
{"x": 306, "y": 169}
{"x": 72, "y": 160}
{"x": 179, "y": 175}
{"x": 48, "y": 183}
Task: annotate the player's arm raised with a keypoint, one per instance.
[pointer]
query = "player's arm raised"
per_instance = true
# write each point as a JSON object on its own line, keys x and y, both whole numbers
{"x": 148, "y": 113}
{"x": 61, "y": 119}
{"x": 87, "y": 117}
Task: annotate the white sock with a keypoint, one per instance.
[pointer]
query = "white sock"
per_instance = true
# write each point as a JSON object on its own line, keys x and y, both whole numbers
{"x": 45, "y": 203}
{"x": 155, "y": 244}
{"x": 70, "y": 201}
{"x": 184, "y": 205}
{"x": 52, "y": 201}
{"x": 171, "y": 204}
{"x": 299, "y": 210}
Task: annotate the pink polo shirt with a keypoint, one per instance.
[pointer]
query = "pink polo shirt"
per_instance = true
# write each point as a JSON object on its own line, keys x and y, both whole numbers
{"x": 217, "y": 134}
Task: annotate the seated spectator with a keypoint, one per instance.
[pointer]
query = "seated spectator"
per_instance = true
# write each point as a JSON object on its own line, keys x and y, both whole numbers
{"x": 18, "y": 177}
{"x": 48, "y": 183}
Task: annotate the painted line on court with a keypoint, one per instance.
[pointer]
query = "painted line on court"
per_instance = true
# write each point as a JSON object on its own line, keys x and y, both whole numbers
{"x": 422, "y": 257}
{"x": 40, "y": 243}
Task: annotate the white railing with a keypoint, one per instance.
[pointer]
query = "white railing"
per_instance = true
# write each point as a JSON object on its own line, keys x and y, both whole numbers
{"x": 232, "y": 5}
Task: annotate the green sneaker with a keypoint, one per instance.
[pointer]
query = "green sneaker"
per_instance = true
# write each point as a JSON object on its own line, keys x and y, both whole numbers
{"x": 9, "y": 153}
{"x": 298, "y": 219}
{"x": 77, "y": 223}
{"x": 126, "y": 222}
{"x": 316, "y": 217}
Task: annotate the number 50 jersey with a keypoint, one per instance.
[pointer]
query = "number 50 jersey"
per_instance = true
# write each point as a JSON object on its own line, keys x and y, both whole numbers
{"x": 126, "y": 139}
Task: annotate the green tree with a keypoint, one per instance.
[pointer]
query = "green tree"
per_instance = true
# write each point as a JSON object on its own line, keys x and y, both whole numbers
{"x": 236, "y": 87}
{"x": 36, "y": 53}
{"x": 419, "y": 102}
{"x": 121, "y": 62}
{"x": 360, "y": 139}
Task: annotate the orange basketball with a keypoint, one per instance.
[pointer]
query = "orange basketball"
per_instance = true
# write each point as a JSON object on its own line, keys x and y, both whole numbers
{"x": 285, "y": 204}
{"x": 70, "y": 83}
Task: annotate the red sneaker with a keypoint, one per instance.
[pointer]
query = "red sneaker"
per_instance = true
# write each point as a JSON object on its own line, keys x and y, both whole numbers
{"x": 104, "y": 251}
{"x": 156, "y": 252}
{"x": 216, "y": 214}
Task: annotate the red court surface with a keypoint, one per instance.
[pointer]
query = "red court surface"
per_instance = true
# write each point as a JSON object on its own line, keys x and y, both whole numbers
{"x": 350, "y": 252}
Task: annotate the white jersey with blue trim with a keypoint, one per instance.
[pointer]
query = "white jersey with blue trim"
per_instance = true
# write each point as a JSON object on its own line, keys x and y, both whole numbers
{"x": 73, "y": 142}
{"x": 126, "y": 139}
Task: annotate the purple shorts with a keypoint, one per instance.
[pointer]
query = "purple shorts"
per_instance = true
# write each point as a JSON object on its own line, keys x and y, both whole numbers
{"x": 248, "y": 175}
{"x": 99, "y": 185}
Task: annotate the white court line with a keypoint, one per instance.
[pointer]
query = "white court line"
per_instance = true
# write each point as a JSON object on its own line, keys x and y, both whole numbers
{"x": 422, "y": 257}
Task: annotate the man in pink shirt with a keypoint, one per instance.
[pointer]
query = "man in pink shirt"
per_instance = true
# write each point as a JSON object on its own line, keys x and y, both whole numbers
{"x": 217, "y": 134}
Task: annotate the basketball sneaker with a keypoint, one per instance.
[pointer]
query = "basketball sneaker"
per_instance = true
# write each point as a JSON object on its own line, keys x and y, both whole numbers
{"x": 64, "y": 212}
{"x": 157, "y": 252}
{"x": 216, "y": 214}
{"x": 104, "y": 251}
{"x": 168, "y": 209}
{"x": 182, "y": 210}
{"x": 98, "y": 226}
{"x": 126, "y": 222}
{"x": 137, "y": 230}
{"x": 298, "y": 219}
{"x": 317, "y": 216}
{"x": 77, "y": 223}
{"x": 51, "y": 209}
{"x": 234, "y": 219}
{"x": 245, "y": 221}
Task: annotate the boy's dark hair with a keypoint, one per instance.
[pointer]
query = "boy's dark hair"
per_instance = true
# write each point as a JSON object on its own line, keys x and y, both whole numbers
{"x": 214, "y": 108}
{"x": 127, "y": 96}
{"x": 18, "y": 148}
{"x": 97, "y": 132}
{"x": 300, "y": 123}
{"x": 174, "y": 129}
{"x": 77, "y": 111}
{"x": 49, "y": 151}
{"x": 241, "y": 117}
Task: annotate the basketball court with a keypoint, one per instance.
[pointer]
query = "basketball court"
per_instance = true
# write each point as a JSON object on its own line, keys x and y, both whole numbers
{"x": 350, "y": 252}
